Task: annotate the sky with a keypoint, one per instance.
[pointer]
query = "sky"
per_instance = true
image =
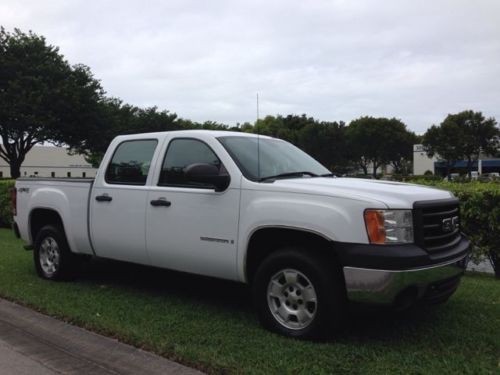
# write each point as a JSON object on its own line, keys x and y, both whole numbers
{"x": 335, "y": 60}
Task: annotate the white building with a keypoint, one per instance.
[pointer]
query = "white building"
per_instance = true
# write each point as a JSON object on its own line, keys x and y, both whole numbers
{"x": 49, "y": 161}
{"x": 423, "y": 163}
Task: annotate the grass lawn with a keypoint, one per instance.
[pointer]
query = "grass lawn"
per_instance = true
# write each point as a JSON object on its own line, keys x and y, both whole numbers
{"x": 210, "y": 324}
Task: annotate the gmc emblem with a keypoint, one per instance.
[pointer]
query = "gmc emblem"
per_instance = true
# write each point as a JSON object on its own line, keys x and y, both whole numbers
{"x": 450, "y": 224}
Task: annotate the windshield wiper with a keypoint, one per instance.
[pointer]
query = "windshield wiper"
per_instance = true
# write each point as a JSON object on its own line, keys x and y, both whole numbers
{"x": 289, "y": 174}
{"x": 327, "y": 175}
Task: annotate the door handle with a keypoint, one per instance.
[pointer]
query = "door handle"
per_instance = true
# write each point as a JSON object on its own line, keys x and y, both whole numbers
{"x": 160, "y": 202}
{"x": 103, "y": 198}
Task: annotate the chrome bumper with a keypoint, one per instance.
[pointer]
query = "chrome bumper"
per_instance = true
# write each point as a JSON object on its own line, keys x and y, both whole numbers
{"x": 383, "y": 286}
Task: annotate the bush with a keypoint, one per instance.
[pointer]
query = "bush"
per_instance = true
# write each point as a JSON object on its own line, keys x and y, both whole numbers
{"x": 5, "y": 205}
{"x": 418, "y": 179}
{"x": 480, "y": 213}
{"x": 479, "y": 206}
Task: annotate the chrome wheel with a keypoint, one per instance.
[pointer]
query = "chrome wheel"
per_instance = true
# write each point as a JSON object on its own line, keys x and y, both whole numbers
{"x": 49, "y": 255}
{"x": 292, "y": 299}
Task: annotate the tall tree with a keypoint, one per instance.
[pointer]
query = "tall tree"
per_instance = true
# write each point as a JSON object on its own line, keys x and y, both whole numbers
{"x": 464, "y": 135}
{"x": 325, "y": 141}
{"x": 401, "y": 149}
{"x": 378, "y": 141}
{"x": 272, "y": 126}
{"x": 116, "y": 118}
{"x": 444, "y": 141}
{"x": 480, "y": 135}
{"x": 42, "y": 97}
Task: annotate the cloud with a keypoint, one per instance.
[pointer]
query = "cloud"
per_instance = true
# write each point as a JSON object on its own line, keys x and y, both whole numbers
{"x": 334, "y": 60}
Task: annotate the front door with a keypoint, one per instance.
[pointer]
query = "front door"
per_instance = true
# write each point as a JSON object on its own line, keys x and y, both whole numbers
{"x": 190, "y": 227}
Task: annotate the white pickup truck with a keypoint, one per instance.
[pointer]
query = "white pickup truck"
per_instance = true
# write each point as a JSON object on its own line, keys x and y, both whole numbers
{"x": 253, "y": 209}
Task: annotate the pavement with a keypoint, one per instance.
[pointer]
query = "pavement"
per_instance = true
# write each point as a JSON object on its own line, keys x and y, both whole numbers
{"x": 483, "y": 266}
{"x": 33, "y": 343}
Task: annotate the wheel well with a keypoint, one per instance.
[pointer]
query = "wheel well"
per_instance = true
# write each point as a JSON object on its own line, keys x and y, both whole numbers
{"x": 42, "y": 216}
{"x": 264, "y": 241}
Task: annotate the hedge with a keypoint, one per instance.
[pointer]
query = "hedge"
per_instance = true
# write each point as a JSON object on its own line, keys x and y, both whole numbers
{"x": 5, "y": 205}
{"x": 480, "y": 214}
{"x": 479, "y": 205}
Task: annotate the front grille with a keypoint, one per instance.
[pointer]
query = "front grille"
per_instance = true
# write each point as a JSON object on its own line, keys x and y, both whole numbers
{"x": 437, "y": 225}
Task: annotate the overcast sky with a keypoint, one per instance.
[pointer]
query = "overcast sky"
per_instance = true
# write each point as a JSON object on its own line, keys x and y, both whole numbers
{"x": 333, "y": 60}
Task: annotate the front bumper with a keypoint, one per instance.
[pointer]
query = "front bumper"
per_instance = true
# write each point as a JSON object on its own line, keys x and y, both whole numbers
{"x": 399, "y": 275}
{"x": 403, "y": 287}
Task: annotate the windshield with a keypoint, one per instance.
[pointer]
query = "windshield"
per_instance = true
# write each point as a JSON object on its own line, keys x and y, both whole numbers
{"x": 263, "y": 158}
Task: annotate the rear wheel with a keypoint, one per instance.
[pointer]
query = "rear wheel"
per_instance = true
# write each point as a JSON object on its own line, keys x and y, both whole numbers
{"x": 299, "y": 294}
{"x": 52, "y": 257}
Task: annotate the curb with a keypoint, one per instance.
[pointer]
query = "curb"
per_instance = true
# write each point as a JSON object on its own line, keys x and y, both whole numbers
{"x": 67, "y": 349}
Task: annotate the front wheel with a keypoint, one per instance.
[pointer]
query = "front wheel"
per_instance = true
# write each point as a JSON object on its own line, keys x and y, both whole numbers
{"x": 52, "y": 256}
{"x": 299, "y": 294}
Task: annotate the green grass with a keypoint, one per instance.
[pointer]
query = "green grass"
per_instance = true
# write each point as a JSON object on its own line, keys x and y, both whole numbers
{"x": 210, "y": 324}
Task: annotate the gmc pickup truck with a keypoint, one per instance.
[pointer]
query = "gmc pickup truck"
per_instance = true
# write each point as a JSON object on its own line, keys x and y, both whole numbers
{"x": 254, "y": 209}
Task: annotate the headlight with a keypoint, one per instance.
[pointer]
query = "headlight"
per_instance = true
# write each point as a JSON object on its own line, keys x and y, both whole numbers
{"x": 389, "y": 226}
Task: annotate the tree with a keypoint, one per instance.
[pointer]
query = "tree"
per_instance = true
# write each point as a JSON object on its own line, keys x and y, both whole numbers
{"x": 113, "y": 118}
{"x": 272, "y": 126}
{"x": 401, "y": 149}
{"x": 42, "y": 97}
{"x": 325, "y": 141}
{"x": 464, "y": 135}
{"x": 479, "y": 135}
{"x": 379, "y": 141}
{"x": 443, "y": 140}
{"x": 246, "y": 127}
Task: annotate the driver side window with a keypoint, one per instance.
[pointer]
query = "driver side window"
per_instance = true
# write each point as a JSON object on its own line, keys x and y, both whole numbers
{"x": 181, "y": 153}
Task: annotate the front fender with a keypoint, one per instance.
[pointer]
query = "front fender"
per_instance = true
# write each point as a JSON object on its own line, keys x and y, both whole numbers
{"x": 335, "y": 219}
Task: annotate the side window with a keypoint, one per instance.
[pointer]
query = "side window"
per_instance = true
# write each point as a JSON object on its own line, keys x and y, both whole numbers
{"x": 130, "y": 162}
{"x": 181, "y": 153}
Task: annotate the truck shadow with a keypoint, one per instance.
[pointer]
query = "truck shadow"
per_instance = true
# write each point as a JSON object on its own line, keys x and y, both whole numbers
{"x": 163, "y": 282}
{"x": 364, "y": 323}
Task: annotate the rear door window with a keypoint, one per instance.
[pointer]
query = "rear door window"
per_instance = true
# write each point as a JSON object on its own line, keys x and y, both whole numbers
{"x": 131, "y": 162}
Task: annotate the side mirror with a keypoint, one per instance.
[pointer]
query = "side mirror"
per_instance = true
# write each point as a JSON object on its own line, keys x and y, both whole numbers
{"x": 207, "y": 174}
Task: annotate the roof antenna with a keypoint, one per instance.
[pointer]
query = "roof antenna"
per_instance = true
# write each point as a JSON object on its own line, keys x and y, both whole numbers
{"x": 257, "y": 106}
{"x": 258, "y": 140}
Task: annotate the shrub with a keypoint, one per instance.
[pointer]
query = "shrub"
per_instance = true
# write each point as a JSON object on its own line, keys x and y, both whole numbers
{"x": 5, "y": 205}
{"x": 418, "y": 179}
{"x": 479, "y": 206}
{"x": 480, "y": 213}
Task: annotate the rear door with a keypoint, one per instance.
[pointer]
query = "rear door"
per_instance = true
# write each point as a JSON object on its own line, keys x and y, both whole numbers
{"x": 118, "y": 202}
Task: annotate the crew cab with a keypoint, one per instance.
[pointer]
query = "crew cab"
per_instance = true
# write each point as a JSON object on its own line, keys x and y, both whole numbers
{"x": 254, "y": 209}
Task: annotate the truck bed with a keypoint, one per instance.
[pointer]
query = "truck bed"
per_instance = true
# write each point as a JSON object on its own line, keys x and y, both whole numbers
{"x": 69, "y": 197}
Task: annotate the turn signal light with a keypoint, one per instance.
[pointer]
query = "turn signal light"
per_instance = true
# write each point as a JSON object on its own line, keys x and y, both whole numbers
{"x": 374, "y": 221}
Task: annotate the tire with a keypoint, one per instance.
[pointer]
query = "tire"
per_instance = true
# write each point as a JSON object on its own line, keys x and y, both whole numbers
{"x": 52, "y": 256}
{"x": 300, "y": 294}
